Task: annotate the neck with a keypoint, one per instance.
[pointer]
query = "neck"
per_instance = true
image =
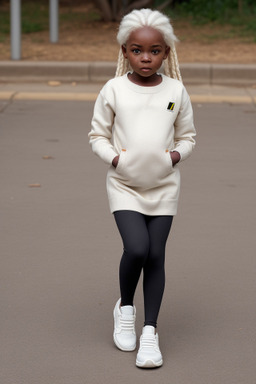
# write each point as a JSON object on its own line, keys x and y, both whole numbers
{"x": 150, "y": 81}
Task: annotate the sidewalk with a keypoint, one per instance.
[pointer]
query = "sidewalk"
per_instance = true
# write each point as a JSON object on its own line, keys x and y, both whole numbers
{"x": 76, "y": 91}
{"x": 91, "y": 72}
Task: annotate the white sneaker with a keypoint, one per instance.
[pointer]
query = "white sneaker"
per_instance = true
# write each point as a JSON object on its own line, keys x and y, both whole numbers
{"x": 149, "y": 355}
{"x": 124, "y": 327}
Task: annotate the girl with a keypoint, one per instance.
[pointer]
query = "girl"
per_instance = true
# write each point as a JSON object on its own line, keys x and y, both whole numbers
{"x": 142, "y": 127}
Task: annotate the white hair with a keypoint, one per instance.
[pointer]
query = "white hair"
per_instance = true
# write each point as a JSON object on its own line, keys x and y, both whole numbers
{"x": 154, "y": 19}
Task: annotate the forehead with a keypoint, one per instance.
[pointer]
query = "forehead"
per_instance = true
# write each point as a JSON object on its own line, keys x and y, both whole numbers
{"x": 146, "y": 36}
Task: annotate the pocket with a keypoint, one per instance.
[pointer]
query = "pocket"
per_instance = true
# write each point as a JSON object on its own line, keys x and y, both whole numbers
{"x": 144, "y": 169}
{"x": 168, "y": 161}
{"x": 121, "y": 162}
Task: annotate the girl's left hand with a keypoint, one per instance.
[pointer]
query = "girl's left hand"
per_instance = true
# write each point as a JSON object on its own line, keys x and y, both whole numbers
{"x": 175, "y": 156}
{"x": 115, "y": 161}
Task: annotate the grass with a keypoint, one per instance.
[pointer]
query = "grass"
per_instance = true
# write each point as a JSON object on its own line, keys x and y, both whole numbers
{"x": 219, "y": 13}
{"x": 79, "y": 17}
{"x": 34, "y": 18}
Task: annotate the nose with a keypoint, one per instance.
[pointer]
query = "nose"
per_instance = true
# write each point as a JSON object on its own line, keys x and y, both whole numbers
{"x": 146, "y": 57}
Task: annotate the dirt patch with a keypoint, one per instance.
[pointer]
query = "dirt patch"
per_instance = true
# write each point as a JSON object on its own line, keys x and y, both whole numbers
{"x": 96, "y": 41}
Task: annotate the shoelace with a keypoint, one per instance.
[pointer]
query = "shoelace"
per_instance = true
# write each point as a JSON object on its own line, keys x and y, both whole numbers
{"x": 148, "y": 341}
{"x": 127, "y": 324}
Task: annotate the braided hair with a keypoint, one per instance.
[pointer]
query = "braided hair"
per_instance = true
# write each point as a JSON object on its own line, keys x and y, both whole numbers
{"x": 154, "y": 19}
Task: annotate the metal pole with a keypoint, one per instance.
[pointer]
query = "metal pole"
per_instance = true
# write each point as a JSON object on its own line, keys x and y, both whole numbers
{"x": 54, "y": 21}
{"x": 15, "y": 30}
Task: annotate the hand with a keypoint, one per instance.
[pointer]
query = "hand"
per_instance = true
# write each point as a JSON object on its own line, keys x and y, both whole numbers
{"x": 175, "y": 156}
{"x": 115, "y": 161}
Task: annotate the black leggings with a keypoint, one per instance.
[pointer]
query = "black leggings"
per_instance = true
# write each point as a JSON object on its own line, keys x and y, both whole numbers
{"x": 144, "y": 239}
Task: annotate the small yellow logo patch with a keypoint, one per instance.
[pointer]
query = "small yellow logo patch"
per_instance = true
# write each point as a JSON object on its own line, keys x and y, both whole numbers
{"x": 171, "y": 106}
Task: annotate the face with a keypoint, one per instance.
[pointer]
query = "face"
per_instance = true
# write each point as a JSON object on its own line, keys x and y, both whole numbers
{"x": 145, "y": 50}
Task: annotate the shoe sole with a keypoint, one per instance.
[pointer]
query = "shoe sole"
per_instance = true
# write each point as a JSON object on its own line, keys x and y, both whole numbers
{"x": 149, "y": 364}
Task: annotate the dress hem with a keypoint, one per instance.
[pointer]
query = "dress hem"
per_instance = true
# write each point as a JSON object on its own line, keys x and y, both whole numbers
{"x": 151, "y": 208}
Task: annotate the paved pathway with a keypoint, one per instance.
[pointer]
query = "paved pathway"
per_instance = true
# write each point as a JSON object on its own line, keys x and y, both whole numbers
{"x": 60, "y": 249}
{"x": 55, "y": 90}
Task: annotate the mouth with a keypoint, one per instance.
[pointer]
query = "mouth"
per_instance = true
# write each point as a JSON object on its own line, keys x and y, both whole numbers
{"x": 145, "y": 69}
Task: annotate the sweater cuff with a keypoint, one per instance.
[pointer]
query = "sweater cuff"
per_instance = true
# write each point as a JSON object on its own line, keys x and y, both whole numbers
{"x": 108, "y": 155}
{"x": 184, "y": 151}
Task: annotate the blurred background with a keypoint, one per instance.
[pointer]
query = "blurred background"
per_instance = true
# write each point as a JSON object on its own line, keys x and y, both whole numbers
{"x": 222, "y": 31}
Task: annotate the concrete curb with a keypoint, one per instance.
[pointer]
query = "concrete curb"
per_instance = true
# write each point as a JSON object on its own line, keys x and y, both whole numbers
{"x": 93, "y": 72}
{"x": 84, "y": 96}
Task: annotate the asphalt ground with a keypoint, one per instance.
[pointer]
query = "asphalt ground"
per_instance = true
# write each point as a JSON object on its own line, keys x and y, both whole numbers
{"x": 60, "y": 249}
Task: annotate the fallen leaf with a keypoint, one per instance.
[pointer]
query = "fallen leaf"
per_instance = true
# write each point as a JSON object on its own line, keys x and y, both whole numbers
{"x": 47, "y": 158}
{"x": 54, "y": 83}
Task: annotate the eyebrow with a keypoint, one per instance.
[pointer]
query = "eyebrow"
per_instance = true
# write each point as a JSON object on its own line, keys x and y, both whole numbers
{"x": 152, "y": 46}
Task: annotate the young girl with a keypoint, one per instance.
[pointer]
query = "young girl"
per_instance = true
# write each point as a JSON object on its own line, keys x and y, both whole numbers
{"x": 142, "y": 127}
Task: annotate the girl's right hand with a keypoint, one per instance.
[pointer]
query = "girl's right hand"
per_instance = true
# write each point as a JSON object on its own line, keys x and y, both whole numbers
{"x": 115, "y": 161}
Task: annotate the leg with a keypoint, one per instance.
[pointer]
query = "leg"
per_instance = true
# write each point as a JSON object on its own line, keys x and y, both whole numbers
{"x": 133, "y": 230}
{"x": 149, "y": 354}
{"x": 154, "y": 272}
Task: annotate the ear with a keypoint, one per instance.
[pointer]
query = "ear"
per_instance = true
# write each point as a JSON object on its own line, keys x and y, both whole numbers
{"x": 167, "y": 51}
{"x": 124, "y": 50}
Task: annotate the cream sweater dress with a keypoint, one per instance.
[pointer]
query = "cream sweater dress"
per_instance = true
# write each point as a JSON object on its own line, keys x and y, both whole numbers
{"x": 142, "y": 124}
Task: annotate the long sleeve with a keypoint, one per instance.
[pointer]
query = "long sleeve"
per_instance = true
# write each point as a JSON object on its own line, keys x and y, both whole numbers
{"x": 184, "y": 128}
{"x": 137, "y": 124}
{"x": 101, "y": 130}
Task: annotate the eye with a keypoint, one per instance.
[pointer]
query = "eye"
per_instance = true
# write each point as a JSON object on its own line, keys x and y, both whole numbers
{"x": 155, "y": 51}
{"x": 136, "y": 51}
